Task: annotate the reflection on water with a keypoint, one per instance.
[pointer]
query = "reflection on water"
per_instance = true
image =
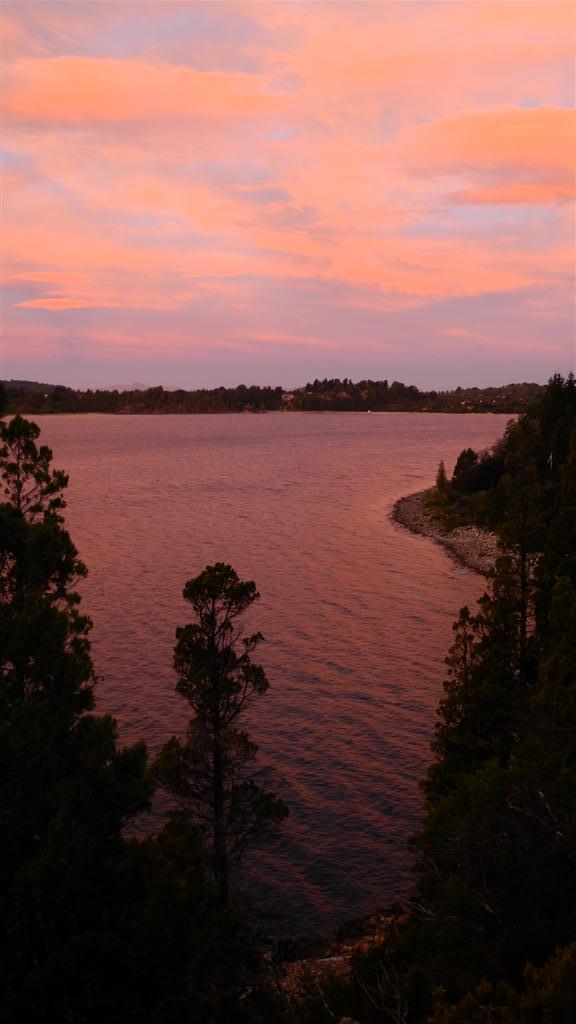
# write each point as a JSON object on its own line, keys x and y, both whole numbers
{"x": 356, "y": 612}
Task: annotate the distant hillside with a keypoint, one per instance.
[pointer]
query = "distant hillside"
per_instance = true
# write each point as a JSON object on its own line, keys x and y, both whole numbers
{"x": 328, "y": 395}
{"x": 380, "y": 396}
{"x": 29, "y": 386}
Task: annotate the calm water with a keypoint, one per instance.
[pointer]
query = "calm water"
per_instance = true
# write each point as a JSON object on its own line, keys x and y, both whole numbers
{"x": 356, "y": 612}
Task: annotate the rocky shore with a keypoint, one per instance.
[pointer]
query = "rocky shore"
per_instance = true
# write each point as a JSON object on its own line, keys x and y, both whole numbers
{"x": 469, "y": 545}
{"x": 302, "y": 983}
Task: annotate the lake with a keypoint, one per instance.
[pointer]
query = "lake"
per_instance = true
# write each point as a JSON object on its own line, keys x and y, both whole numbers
{"x": 356, "y": 612}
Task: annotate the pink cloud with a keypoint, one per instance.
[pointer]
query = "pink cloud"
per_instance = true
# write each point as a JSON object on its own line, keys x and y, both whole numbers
{"x": 76, "y": 90}
{"x": 60, "y": 303}
{"x": 520, "y": 139}
{"x": 351, "y": 155}
{"x": 540, "y": 194}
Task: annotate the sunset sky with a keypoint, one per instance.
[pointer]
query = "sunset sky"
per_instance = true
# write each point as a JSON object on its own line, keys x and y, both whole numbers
{"x": 217, "y": 193}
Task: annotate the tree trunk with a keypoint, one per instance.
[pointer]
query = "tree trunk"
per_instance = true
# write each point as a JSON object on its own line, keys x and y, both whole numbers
{"x": 220, "y": 854}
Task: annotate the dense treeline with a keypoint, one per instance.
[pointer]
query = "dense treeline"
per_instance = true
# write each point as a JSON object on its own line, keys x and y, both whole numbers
{"x": 97, "y": 926}
{"x": 25, "y": 399}
{"x": 380, "y": 396}
{"x": 496, "y": 852}
{"x": 491, "y": 933}
{"x": 522, "y": 469}
{"x": 318, "y": 396}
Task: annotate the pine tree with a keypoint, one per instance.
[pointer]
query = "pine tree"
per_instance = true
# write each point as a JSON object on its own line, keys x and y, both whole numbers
{"x": 210, "y": 773}
{"x": 66, "y": 791}
{"x": 441, "y": 480}
{"x": 495, "y": 851}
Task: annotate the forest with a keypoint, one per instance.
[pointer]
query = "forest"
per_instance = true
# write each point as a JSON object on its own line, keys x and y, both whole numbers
{"x": 332, "y": 395}
{"x": 103, "y": 925}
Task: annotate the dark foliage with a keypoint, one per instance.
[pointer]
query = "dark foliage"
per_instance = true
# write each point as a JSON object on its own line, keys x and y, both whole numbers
{"x": 94, "y": 927}
{"x": 210, "y": 773}
{"x": 319, "y": 396}
{"x": 492, "y": 936}
{"x": 97, "y": 927}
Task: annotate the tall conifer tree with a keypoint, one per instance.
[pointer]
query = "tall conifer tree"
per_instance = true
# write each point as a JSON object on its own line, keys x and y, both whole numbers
{"x": 210, "y": 774}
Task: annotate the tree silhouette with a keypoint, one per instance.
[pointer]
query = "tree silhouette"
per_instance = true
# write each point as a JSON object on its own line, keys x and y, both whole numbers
{"x": 210, "y": 773}
{"x": 66, "y": 791}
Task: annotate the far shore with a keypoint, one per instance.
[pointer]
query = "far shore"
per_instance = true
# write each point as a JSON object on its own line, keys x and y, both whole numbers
{"x": 259, "y": 412}
{"x": 469, "y": 545}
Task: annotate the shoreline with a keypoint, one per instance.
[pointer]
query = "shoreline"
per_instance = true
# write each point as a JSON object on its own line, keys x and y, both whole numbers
{"x": 259, "y": 412}
{"x": 472, "y": 547}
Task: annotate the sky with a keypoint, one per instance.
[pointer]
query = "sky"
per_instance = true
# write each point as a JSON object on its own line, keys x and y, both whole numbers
{"x": 205, "y": 194}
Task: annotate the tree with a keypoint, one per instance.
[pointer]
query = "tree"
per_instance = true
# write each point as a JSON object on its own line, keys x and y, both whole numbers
{"x": 210, "y": 772}
{"x": 465, "y": 464}
{"x": 66, "y": 791}
{"x": 495, "y": 851}
{"x": 441, "y": 480}
{"x": 43, "y": 639}
{"x": 95, "y": 926}
{"x": 500, "y": 814}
